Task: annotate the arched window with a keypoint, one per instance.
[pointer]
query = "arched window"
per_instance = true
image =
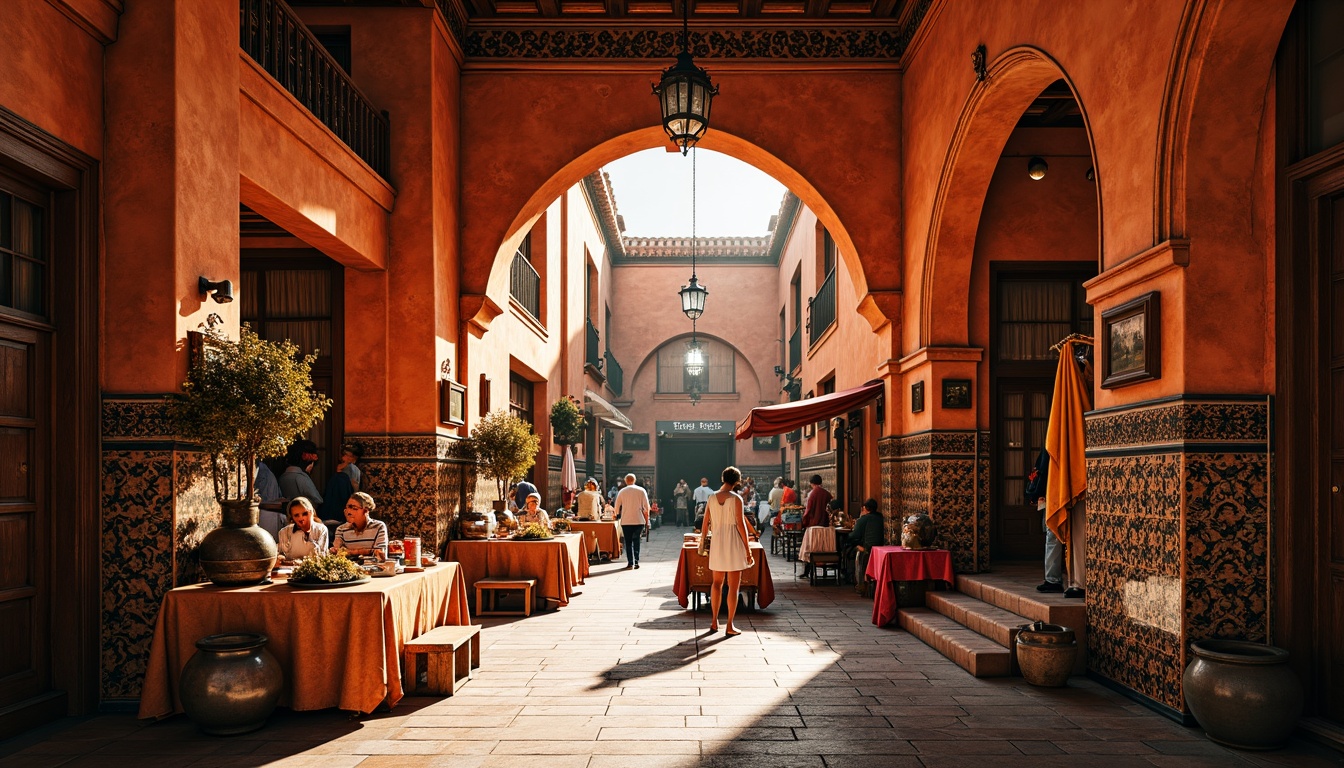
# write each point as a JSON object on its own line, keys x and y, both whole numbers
{"x": 718, "y": 377}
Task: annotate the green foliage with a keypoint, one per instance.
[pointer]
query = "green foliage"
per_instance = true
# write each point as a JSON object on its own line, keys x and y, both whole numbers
{"x": 534, "y": 531}
{"x": 505, "y": 447}
{"x": 567, "y": 423}
{"x": 327, "y": 567}
{"x": 247, "y": 399}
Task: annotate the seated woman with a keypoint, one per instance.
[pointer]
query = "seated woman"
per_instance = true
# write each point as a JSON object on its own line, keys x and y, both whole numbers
{"x": 532, "y": 511}
{"x": 590, "y": 501}
{"x": 304, "y": 536}
{"x": 361, "y": 534}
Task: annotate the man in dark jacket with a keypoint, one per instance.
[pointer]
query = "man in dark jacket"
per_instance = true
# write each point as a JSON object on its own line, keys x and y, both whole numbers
{"x": 869, "y": 531}
{"x": 1054, "y": 551}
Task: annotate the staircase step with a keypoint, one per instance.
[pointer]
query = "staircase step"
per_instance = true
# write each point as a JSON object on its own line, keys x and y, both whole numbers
{"x": 971, "y": 651}
{"x": 1021, "y": 598}
{"x": 993, "y": 622}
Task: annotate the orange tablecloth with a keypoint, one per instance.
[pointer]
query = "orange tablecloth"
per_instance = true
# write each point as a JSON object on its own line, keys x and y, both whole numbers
{"x": 604, "y": 537}
{"x": 338, "y": 647}
{"x": 559, "y": 564}
{"x": 888, "y": 565}
{"x": 693, "y": 574}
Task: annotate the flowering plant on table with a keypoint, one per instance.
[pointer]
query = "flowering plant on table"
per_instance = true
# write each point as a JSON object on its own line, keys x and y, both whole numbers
{"x": 534, "y": 531}
{"x": 329, "y": 568}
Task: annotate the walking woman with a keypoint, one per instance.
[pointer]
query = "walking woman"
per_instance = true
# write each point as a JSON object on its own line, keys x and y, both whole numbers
{"x": 730, "y": 553}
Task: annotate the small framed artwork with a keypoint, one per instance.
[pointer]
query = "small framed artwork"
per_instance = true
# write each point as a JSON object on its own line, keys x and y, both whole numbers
{"x": 1131, "y": 342}
{"x": 917, "y": 397}
{"x": 452, "y": 403}
{"x": 956, "y": 393}
{"x": 635, "y": 441}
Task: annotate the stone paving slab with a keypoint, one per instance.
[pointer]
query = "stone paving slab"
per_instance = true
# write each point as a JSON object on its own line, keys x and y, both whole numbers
{"x": 623, "y": 677}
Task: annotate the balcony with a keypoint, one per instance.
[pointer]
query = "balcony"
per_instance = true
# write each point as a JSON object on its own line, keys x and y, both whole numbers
{"x": 274, "y": 37}
{"x": 615, "y": 374}
{"x": 821, "y": 310}
{"x": 592, "y": 355}
{"x": 795, "y": 349}
{"x": 525, "y": 285}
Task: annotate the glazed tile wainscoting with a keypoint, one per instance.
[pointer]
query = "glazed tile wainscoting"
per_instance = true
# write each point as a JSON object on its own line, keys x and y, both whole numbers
{"x": 944, "y": 474}
{"x": 1176, "y": 486}
{"x": 420, "y": 483}
{"x": 157, "y": 505}
{"x": 817, "y": 464}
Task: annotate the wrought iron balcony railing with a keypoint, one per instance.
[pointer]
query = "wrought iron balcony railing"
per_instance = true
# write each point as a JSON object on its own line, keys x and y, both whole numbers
{"x": 274, "y": 36}
{"x": 592, "y": 350}
{"x": 615, "y": 374}
{"x": 795, "y": 349}
{"x": 821, "y": 310}
{"x": 525, "y": 285}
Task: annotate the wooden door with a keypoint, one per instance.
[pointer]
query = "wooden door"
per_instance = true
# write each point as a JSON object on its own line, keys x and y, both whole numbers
{"x": 1330, "y": 633}
{"x": 1024, "y": 411}
{"x": 855, "y": 492}
{"x": 24, "y": 437}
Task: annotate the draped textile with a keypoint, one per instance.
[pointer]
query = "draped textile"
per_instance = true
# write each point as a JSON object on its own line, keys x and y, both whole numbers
{"x": 1066, "y": 444}
{"x": 778, "y": 419}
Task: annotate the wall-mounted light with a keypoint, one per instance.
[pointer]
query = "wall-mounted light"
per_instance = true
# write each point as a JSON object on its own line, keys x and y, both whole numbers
{"x": 219, "y": 290}
{"x": 1036, "y": 168}
{"x": 1091, "y": 174}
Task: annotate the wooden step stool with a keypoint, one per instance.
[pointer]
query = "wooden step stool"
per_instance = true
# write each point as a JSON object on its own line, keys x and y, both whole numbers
{"x": 486, "y": 588}
{"x": 450, "y": 654}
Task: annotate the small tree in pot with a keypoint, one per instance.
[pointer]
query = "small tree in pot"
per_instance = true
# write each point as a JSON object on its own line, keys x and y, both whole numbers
{"x": 505, "y": 447}
{"x": 244, "y": 400}
{"x": 567, "y": 422}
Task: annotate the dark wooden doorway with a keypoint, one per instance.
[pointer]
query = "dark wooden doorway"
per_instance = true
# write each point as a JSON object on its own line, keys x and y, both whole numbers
{"x": 691, "y": 458}
{"x": 1032, "y": 306}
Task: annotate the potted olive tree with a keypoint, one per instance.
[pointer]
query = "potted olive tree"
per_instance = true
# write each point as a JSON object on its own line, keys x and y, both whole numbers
{"x": 242, "y": 401}
{"x": 505, "y": 447}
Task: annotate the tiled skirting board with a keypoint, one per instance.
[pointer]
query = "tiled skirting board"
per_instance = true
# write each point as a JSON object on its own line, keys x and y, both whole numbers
{"x": 944, "y": 474}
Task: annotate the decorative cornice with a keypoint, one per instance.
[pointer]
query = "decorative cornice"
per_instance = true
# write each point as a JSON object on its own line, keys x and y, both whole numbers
{"x": 597, "y": 188}
{"x": 135, "y": 418}
{"x": 715, "y": 248}
{"x": 1138, "y": 270}
{"x": 932, "y": 444}
{"x": 869, "y": 42}
{"x": 381, "y": 448}
{"x": 455, "y": 16}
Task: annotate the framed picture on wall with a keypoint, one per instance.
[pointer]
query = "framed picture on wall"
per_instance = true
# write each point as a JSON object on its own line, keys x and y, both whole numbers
{"x": 1131, "y": 342}
{"x": 917, "y": 397}
{"x": 635, "y": 441}
{"x": 956, "y": 393}
{"x": 452, "y": 403}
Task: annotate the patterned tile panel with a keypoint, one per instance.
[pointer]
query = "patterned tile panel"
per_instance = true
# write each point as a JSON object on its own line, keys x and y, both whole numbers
{"x": 1133, "y": 633}
{"x": 197, "y": 513}
{"x": 952, "y": 507}
{"x": 1227, "y": 542}
{"x": 135, "y": 418}
{"x": 617, "y": 43}
{"x": 1187, "y": 420}
{"x": 137, "y": 562}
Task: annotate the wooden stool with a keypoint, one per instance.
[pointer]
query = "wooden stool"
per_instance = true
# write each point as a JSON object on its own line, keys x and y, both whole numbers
{"x": 450, "y": 654}
{"x": 488, "y": 587}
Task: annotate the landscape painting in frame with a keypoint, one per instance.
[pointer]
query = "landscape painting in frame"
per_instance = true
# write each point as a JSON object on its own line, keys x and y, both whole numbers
{"x": 1131, "y": 342}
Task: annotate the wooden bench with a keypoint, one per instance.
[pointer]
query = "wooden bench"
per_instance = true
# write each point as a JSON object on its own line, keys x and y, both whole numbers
{"x": 486, "y": 589}
{"x": 450, "y": 654}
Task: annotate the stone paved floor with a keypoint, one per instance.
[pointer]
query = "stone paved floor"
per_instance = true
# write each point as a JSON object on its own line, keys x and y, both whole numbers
{"x": 624, "y": 678}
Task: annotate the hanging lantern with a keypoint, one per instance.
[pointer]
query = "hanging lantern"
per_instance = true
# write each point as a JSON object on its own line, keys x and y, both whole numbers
{"x": 693, "y": 299}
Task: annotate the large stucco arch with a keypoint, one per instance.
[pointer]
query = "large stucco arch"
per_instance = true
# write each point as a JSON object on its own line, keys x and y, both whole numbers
{"x": 830, "y": 135}
{"x": 650, "y": 360}
{"x": 987, "y": 120}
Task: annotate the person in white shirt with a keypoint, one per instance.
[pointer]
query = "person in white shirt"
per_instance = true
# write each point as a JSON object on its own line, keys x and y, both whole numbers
{"x": 632, "y": 510}
{"x": 702, "y": 494}
{"x": 590, "y": 501}
{"x": 305, "y": 535}
{"x": 361, "y": 534}
{"x": 532, "y": 512}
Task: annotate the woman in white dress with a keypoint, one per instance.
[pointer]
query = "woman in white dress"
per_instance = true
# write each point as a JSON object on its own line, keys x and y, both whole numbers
{"x": 730, "y": 553}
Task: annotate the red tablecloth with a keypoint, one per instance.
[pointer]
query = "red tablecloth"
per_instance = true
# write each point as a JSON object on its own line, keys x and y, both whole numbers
{"x": 693, "y": 574}
{"x": 888, "y": 565}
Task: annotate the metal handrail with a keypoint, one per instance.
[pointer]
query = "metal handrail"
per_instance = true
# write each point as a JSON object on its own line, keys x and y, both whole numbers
{"x": 821, "y": 309}
{"x": 592, "y": 354}
{"x": 525, "y": 285}
{"x": 796, "y": 349}
{"x": 278, "y": 40}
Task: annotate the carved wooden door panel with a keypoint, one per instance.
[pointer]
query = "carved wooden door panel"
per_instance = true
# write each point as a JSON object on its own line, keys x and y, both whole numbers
{"x": 1330, "y": 639}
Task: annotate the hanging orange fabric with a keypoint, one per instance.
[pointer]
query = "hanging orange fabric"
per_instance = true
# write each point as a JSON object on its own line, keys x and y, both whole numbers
{"x": 1066, "y": 443}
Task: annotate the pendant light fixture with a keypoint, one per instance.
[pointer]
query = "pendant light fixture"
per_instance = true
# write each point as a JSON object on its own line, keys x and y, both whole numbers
{"x": 685, "y": 93}
{"x": 693, "y": 297}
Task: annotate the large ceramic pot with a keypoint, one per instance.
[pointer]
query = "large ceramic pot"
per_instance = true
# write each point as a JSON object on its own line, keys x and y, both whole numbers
{"x": 918, "y": 532}
{"x": 1243, "y": 694}
{"x": 1046, "y": 653}
{"x": 239, "y": 552}
{"x": 474, "y": 524}
{"x": 231, "y": 684}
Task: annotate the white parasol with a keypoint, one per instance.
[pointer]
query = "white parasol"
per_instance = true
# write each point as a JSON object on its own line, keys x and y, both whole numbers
{"x": 569, "y": 479}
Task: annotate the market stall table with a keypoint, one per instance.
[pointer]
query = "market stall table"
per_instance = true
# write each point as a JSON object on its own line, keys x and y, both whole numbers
{"x": 604, "y": 537}
{"x": 338, "y": 647}
{"x": 693, "y": 575}
{"x": 559, "y": 564}
{"x": 888, "y": 565}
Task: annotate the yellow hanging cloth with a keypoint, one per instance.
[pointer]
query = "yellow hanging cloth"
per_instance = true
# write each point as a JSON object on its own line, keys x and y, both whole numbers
{"x": 1066, "y": 443}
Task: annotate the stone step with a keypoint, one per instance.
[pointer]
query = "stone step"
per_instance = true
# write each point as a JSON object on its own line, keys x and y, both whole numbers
{"x": 993, "y": 622}
{"x": 970, "y": 650}
{"x": 1020, "y": 597}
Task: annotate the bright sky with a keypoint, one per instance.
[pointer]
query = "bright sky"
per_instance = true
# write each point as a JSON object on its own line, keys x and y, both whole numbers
{"x": 653, "y": 194}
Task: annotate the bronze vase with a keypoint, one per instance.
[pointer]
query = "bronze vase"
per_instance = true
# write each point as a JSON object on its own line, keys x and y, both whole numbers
{"x": 231, "y": 684}
{"x": 239, "y": 552}
{"x": 1243, "y": 694}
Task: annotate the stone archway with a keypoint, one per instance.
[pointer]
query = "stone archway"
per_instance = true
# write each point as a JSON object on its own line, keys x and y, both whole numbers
{"x": 990, "y": 115}
{"x": 527, "y": 135}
